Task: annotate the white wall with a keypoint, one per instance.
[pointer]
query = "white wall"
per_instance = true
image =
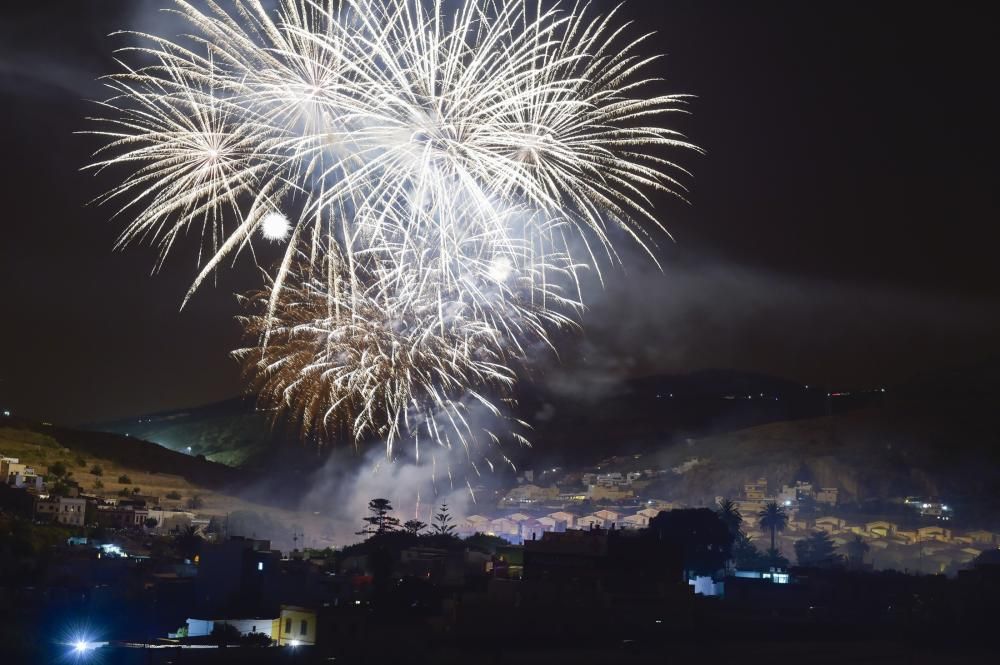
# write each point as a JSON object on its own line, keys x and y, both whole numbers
{"x": 202, "y": 627}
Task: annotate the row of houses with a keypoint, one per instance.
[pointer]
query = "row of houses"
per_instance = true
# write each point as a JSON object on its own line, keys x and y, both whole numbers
{"x": 756, "y": 495}
{"x": 78, "y": 510}
{"x": 520, "y": 527}
{"x": 928, "y": 549}
{"x": 890, "y": 531}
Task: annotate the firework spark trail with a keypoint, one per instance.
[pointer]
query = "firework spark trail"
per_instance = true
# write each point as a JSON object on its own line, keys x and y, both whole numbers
{"x": 433, "y": 175}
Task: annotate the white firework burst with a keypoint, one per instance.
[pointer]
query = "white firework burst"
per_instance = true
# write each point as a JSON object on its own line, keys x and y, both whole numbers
{"x": 443, "y": 175}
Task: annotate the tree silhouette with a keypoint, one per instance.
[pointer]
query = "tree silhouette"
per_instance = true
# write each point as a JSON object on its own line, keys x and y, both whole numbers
{"x": 188, "y": 541}
{"x": 773, "y": 518}
{"x": 856, "y": 550}
{"x": 730, "y": 514}
{"x": 702, "y": 536}
{"x": 745, "y": 554}
{"x": 773, "y": 558}
{"x": 225, "y": 634}
{"x": 380, "y": 521}
{"x": 817, "y": 550}
{"x": 414, "y": 526}
{"x": 442, "y": 522}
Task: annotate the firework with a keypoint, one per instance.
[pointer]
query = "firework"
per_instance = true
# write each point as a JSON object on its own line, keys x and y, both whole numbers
{"x": 367, "y": 362}
{"x": 438, "y": 179}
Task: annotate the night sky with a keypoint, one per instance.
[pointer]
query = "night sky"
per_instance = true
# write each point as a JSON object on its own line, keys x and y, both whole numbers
{"x": 842, "y": 227}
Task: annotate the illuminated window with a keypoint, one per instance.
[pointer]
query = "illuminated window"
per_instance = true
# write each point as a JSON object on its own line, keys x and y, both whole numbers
{"x": 303, "y": 627}
{"x": 260, "y": 565}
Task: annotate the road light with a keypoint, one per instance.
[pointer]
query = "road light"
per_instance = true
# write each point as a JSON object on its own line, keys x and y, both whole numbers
{"x": 82, "y": 648}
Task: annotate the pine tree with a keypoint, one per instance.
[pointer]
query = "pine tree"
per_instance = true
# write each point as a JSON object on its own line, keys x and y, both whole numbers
{"x": 380, "y": 521}
{"x": 442, "y": 522}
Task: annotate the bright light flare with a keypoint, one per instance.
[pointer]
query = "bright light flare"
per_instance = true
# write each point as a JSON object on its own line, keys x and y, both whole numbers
{"x": 275, "y": 227}
{"x": 501, "y": 268}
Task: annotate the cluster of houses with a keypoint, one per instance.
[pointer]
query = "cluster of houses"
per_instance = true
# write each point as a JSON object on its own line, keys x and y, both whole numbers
{"x": 931, "y": 549}
{"x": 519, "y": 527}
{"x": 756, "y": 495}
{"x": 575, "y": 487}
{"x": 24, "y": 491}
{"x": 135, "y": 512}
{"x": 15, "y": 474}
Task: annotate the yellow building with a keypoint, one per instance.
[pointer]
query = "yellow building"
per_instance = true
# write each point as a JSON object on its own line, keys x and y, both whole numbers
{"x": 599, "y": 493}
{"x": 295, "y": 626}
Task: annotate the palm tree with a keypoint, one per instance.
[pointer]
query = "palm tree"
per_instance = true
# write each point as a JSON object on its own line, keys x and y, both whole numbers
{"x": 773, "y": 518}
{"x": 730, "y": 514}
{"x": 856, "y": 550}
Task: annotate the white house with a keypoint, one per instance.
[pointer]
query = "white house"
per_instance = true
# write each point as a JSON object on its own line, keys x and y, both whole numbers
{"x": 71, "y": 511}
{"x": 204, "y": 627}
{"x": 608, "y": 516}
{"x": 169, "y": 521}
{"x": 637, "y": 521}
{"x": 504, "y": 527}
{"x": 830, "y": 524}
{"x": 552, "y": 524}
{"x": 474, "y": 524}
{"x": 588, "y": 522}
{"x": 569, "y": 519}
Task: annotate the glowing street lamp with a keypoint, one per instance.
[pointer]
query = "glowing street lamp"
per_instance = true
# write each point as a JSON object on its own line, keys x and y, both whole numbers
{"x": 81, "y": 648}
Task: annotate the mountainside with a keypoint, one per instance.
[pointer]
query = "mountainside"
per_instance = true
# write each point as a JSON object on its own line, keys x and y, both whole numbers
{"x": 934, "y": 437}
{"x": 44, "y": 444}
{"x": 632, "y": 414}
{"x": 179, "y": 481}
{"x": 232, "y": 432}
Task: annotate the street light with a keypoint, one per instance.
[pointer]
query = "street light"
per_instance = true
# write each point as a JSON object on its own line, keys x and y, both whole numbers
{"x": 82, "y": 648}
